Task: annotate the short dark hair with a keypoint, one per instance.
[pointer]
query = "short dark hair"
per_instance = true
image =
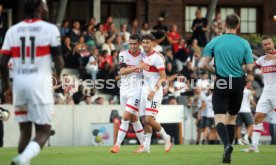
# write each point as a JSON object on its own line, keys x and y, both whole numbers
{"x": 148, "y": 37}
{"x": 30, "y": 7}
{"x": 266, "y": 37}
{"x": 232, "y": 21}
{"x": 135, "y": 37}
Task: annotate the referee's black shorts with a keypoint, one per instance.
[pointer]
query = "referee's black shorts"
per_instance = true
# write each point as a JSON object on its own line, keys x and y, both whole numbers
{"x": 228, "y": 94}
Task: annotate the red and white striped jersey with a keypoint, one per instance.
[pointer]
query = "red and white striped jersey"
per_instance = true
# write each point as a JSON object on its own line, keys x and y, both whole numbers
{"x": 131, "y": 83}
{"x": 29, "y": 43}
{"x": 269, "y": 71}
{"x": 156, "y": 63}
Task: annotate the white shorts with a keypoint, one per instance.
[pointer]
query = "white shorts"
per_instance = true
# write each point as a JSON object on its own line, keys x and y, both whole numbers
{"x": 150, "y": 108}
{"x": 266, "y": 103}
{"x": 130, "y": 104}
{"x": 40, "y": 114}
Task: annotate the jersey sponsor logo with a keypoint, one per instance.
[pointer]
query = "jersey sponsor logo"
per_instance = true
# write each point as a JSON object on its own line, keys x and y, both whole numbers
{"x": 269, "y": 69}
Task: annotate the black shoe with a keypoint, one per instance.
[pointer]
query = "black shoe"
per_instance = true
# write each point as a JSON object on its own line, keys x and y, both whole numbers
{"x": 227, "y": 154}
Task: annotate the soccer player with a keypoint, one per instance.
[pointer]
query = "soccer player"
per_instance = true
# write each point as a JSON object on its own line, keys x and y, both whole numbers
{"x": 245, "y": 115}
{"x": 267, "y": 102}
{"x": 32, "y": 44}
{"x": 229, "y": 52}
{"x": 130, "y": 91}
{"x": 152, "y": 93}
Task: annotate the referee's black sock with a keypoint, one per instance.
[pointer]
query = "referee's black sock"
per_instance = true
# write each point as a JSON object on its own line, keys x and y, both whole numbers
{"x": 231, "y": 133}
{"x": 223, "y": 134}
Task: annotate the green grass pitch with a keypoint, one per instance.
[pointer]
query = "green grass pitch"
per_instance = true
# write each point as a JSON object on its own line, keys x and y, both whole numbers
{"x": 179, "y": 155}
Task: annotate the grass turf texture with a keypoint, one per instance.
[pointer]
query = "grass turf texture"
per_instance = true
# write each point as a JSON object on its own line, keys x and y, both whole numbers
{"x": 184, "y": 155}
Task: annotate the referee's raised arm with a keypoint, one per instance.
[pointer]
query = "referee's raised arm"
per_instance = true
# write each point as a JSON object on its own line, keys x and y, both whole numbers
{"x": 229, "y": 52}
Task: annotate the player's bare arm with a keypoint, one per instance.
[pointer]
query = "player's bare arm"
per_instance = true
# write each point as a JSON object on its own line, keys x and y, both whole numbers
{"x": 124, "y": 70}
{"x": 158, "y": 85}
{"x": 4, "y": 70}
{"x": 249, "y": 68}
{"x": 57, "y": 58}
{"x": 205, "y": 64}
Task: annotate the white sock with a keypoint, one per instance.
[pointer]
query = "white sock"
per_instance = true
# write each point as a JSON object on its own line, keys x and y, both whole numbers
{"x": 257, "y": 129}
{"x": 246, "y": 136}
{"x": 31, "y": 151}
{"x": 163, "y": 133}
{"x": 147, "y": 140}
{"x": 122, "y": 132}
{"x": 139, "y": 131}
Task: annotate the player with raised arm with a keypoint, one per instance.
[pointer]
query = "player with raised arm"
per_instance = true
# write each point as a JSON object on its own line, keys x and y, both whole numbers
{"x": 130, "y": 91}
{"x": 32, "y": 44}
{"x": 267, "y": 102}
{"x": 152, "y": 93}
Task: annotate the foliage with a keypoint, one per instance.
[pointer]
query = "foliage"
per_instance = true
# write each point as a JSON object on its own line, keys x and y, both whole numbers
{"x": 255, "y": 39}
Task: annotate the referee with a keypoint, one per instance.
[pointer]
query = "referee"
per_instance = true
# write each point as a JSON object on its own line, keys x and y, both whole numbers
{"x": 230, "y": 52}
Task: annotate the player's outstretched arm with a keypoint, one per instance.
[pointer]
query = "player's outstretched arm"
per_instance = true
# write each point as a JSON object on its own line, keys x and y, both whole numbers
{"x": 4, "y": 70}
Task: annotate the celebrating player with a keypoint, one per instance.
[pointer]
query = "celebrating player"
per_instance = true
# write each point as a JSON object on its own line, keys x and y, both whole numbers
{"x": 32, "y": 44}
{"x": 267, "y": 102}
{"x": 152, "y": 93}
{"x": 130, "y": 91}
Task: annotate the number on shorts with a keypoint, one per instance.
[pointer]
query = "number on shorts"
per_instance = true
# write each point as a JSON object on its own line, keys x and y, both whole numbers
{"x": 136, "y": 102}
{"x": 153, "y": 104}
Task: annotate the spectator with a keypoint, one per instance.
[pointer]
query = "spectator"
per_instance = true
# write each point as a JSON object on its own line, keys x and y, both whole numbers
{"x": 115, "y": 57}
{"x": 217, "y": 26}
{"x": 99, "y": 101}
{"x": 172, "y": 101}
{"x": 87, "y": 101}
{"x": 145, "y": 29}
{"x": 134, "y": 28}
{"x": 188, "y": 71}
{"x": 124, "y": 33}
{"x": 81, "y": 47}
{"x": 183, "y": 54}
{"x": 171, "y": 74}
{"x": 92, "y": 23}
{"x": 66, "y": 46}
{"x": 108, "y": 22}
{"x": 75, "y": 32}
{"x": 64, "y": 30}
{"x": 170, "y": 59}
{"x": 160, "y": 32}
{"x": 197, "y": 51}
{"x": 119, "y": 45}
{"x": 72, "y": 60}
{"x": 174, "y": 37}
{"x": 100, "y": 35}
{"x": 199, "y": 27}
{"x": 79, "y": 96}
{"x": 113, "y": 33}
{"x": 92, "y": 65}
{"x": 105, "y": 59}
{"x": 89, "y": 37}
{"x": 108, "y": 45}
